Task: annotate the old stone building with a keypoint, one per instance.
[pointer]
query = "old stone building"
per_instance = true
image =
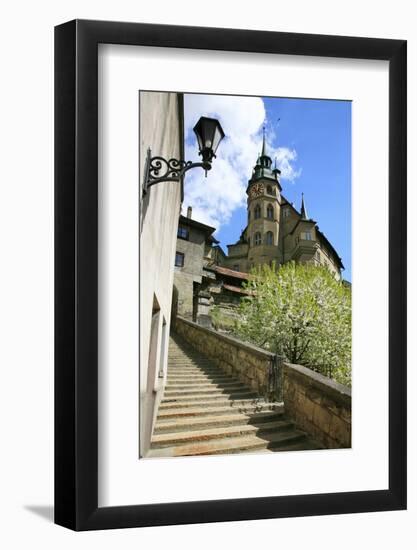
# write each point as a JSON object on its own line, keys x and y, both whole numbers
{"x": 208, "y": 284}
{"x": 200, "y": 281}
{"x": 194, "y": 253}
{"x": 276, "y": 231}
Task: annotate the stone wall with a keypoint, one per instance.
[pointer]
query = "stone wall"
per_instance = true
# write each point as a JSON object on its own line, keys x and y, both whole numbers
{"x": 184, "y": 286}
{"x": 225, "y": 310}
{"x": 260, "y": 370}
{"x": 318, "y": 405}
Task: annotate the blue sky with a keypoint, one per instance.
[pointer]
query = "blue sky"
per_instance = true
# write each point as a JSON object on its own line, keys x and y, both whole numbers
{"x": 311, "y": 140}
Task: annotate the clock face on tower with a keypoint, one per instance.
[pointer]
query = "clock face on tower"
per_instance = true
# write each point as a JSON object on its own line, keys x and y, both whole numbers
{"x": 256, "y": 190}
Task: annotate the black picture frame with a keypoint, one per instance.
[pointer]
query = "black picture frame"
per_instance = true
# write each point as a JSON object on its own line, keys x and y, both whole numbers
{"x": 76, "y": 272}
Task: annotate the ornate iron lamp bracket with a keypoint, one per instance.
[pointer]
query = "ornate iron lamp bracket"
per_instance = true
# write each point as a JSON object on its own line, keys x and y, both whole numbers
{"x": 159, "y": 169}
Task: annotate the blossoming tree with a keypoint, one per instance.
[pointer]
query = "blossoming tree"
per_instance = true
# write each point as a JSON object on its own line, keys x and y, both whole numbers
{"x": 303, "y": 313}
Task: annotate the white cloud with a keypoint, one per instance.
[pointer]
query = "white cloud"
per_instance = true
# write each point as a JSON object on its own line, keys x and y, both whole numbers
{"x": 285, "y": 160}
{"x": 215, "y": 198}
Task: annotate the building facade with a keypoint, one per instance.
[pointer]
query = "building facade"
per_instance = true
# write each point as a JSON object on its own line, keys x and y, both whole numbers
{"x": 209, "y": 284}
{"x": 161, "y": 129}
{"x": 194, "y": 253}
{"x": 276, "y": 231}
{"x": 201, "y": 282}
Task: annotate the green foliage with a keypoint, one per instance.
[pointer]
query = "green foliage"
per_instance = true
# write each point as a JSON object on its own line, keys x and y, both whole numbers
{"x": 301, "y": 312}
{"x": 221, "y": 320}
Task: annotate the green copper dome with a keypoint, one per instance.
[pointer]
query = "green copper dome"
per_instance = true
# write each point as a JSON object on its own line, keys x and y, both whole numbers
{"x": 263, "y": 167}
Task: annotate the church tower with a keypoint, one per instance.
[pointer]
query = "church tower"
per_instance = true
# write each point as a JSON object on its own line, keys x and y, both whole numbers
{"x": 263, "y": 229}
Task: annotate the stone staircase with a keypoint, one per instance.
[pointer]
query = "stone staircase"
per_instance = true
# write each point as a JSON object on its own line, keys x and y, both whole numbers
{"x": 205, "y": 412}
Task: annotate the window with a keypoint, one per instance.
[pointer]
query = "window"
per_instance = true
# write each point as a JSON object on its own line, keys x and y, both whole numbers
{"x": 257, "y": 212}
{"x": 286, "y": 212}
{"x": 307, "y": 236}
{"x": 236, "y": 267}
{"x": 270, "y": 212}
{"x": 179, "y": 259}
{"x": 248, "y": 216}
{"x": 269, "y": 238}
{"x": 258, "y": 239}
{"x": 269, "y": 190}
{"x": 183, "y": 232}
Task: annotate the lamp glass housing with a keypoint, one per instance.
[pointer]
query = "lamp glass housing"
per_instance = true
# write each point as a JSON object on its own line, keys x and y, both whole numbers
{"x": 209, "y": 134}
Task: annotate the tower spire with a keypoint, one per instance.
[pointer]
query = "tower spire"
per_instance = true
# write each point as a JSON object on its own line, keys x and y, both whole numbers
{"x": 304, "y": 215}
{"x": 263, "y": 142}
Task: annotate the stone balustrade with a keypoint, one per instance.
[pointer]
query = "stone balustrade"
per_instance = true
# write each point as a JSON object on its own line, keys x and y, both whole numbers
{"x": 258, "y": 369}
{"x": 318, "y": 405}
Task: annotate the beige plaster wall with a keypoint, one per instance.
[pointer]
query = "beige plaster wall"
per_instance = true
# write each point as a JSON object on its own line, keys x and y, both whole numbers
{"x": 161, "y": 122}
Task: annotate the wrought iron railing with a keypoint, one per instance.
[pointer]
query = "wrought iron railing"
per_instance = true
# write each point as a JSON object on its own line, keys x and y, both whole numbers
{"x": 275, "y": 389}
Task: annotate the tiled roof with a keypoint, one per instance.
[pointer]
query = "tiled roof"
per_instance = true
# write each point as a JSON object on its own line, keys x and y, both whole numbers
{"x": 194, "y": 223}
{"x": 236, "y": 289}
{"x": 231, "y": 272}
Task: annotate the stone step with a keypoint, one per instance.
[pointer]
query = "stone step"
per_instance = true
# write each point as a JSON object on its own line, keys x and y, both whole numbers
{"x": 305, "y": 444}
{"x": 176, "y": 359}
{"x": 221, "y": 402}
{"x": 188, "y": 375}
{"x": 232, "y": 445}
{"x": 192, "y": 362}
{"x": 183, "y": 369}
{"x": 191, "y": 367}
{"x": 202, "y": 435}
{"x": 198, "y": 379}
{"x": 211, "y": 389}
{"x": 192, "y": 385}
{"x": 178, "y": 413}
{"x": 189, "y": 423}
{"x": 243, "y": 394}
{"x": 205, "y": 411}
{"x": 184, "y": 350}
{"x": 177, "y": 371}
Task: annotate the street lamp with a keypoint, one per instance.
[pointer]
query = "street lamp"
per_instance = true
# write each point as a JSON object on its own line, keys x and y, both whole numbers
{"x": 157, "y": 169}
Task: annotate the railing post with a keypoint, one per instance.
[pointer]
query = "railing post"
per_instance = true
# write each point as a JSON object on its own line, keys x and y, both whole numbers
{"x": 275, "y": 391}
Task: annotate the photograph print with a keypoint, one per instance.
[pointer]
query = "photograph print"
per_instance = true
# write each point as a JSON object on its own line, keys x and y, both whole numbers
{"x": 245, "y": 274}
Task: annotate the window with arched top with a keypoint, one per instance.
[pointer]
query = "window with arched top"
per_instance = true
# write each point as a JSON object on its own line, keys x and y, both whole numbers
{"x": 269, "y": 239}
{"x": 258, "y": 239}
{"x": 257, "y": 212}
{"x": 270, "y": 212}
